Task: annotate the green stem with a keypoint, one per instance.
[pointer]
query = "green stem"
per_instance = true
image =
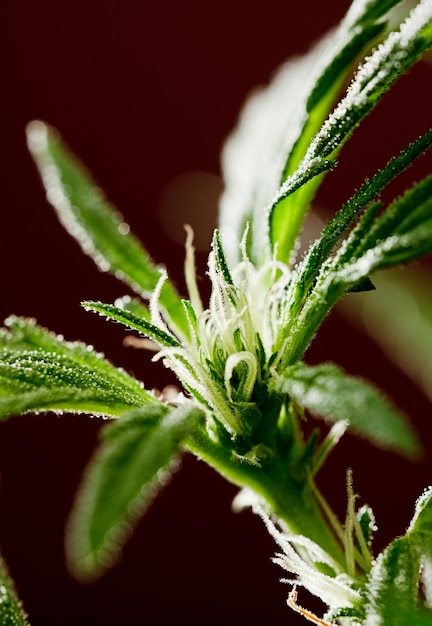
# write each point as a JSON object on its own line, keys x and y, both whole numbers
{"x": 288, "y": 494}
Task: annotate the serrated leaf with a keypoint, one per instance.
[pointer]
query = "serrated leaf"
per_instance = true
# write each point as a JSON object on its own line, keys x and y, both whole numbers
{"x": 392, "y": 587}
{"x": 327, "y": 391}
{"x": 132, "y": 321}
{"x": 94, "y": 223}
{"x": 41, "y": 372}
{"x": 11, "y": 610}
{"x": 135, "y": 460}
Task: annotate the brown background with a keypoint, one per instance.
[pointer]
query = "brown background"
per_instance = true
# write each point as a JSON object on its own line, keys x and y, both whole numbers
{"x": 145, "y": 92}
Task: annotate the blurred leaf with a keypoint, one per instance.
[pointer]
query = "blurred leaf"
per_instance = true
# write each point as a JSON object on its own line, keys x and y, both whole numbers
{"x": 398, "y": 317}
{"x": 133, "y": 305}
{"x": 135, "y": 460}
{"x": 42, "y": 372}
{"x": 326, "y": 391}
{"x": 93, "y": 222}
{"x": 11, "y": 610}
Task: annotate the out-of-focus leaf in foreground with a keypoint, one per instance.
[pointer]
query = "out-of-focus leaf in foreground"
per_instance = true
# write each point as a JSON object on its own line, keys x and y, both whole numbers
{"x": 136, "y": 457}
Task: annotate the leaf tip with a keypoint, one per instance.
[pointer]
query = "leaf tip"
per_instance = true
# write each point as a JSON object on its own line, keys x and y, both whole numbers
{"x": 37, "y": 136}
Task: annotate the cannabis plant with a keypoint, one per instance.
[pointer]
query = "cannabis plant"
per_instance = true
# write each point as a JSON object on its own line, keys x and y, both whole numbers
{"x": 245, "y": 393}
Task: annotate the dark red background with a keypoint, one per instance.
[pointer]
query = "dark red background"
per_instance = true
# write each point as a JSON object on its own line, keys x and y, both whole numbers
{"x": 145, "y": 92}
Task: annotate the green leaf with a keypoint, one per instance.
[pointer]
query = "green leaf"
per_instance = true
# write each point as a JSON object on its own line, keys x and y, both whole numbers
{"x": 276, "y": 128}
{"x": 94, "y": 223}
{"x": 392, "y": 587}
{"x": 368, "y": 192}
{"x": 371, "y": 10}
{"x": 392, "y": 58}
{"x": 420, "y": 528}
{"x": 11, "y": 610}
{"x": 287, "y": 216}
{"x": 42, "y": 372}
{"x": 401, "y": 233}
{"x": 137, "y": 455}
{"x": 408, "y": 212}
{"x": 132, "y": 321}
{"x": 327, "y": 391}
{"x": 410, "y": 209}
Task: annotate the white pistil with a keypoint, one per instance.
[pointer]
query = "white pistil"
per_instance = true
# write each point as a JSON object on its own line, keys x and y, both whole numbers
{"x": 190, "y": 272}
{"x": 155, "y": 315}
{"x": 248, "y": 384}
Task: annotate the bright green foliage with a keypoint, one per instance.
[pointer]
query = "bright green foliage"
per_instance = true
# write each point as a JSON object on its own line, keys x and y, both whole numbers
{"x": 42, "y": 372}
{"x": 11, "y": 611}
{"x": 132, "y": 321}
{"x": 399, "y": 234}
{"x": 393, "y": 57}
{"x": 239, "y": 358}
{"x": 289, "y": 125}
{"x": 98, "y": 228}
{"x": 326, "y": 391}
{"x": 135, "y": 460}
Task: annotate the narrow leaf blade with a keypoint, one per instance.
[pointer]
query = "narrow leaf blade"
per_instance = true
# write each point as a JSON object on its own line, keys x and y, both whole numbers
{"x": 42, "y": 372}
{"x": 392, "y": 58}
{"x": 98, "y": 228}
{"x": 134, "y": 461}
{"x": 132, "y": 321}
